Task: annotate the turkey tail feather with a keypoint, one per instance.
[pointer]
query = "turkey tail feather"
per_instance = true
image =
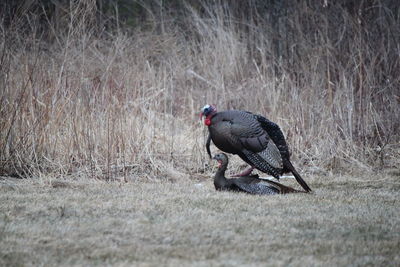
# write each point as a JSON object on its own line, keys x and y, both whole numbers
{"x": 297, "y": 176}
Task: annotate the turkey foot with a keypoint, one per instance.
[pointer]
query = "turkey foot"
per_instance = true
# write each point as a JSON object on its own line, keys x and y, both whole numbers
{"x": 246, "y": 172}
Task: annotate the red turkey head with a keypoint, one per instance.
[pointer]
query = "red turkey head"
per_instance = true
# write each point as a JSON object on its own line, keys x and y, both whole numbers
{"x": 207, "y": 111}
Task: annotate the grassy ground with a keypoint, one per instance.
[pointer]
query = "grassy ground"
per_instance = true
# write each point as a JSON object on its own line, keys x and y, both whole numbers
{"x": 346, "y": 221}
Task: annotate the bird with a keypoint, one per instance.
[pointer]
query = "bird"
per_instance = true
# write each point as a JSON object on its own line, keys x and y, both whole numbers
{"x": 255, "y": 139}
{"x": 249, "y": 184}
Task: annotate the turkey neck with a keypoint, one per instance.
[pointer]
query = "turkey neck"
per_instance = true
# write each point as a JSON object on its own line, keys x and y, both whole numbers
{"x": 219, "y": 178}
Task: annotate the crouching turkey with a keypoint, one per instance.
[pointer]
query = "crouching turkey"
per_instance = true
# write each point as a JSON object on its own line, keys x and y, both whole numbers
{"x": 255, "y": 139}
{"x": 249, "y": 184}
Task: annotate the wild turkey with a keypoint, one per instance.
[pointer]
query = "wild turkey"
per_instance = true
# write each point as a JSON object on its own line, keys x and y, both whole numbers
{"x": 249, "y": 184}
{"x": 255, "y": 139}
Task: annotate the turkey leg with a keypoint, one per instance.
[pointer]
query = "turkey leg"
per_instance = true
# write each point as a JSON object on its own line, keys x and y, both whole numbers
{"x": 246, "y": 172}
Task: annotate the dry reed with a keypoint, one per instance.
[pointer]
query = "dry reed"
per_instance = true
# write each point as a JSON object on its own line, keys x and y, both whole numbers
{"x": 110, "y": 103}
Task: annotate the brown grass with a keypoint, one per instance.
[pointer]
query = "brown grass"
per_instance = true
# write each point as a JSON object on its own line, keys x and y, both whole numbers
{"x": 347, "y": 221}
{"x": 76, "y": 98}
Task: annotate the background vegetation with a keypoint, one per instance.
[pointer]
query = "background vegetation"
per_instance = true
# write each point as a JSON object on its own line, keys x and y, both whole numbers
{"x": 112, "y": 89}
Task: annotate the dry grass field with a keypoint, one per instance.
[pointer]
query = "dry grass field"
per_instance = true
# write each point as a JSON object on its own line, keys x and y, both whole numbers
{"x": 347, "y": 221}
{"x": 102, "y": 151}
{"x": 101, "y": 101}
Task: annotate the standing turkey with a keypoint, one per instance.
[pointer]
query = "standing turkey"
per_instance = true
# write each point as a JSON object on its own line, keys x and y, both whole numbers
{"x": 255, "y": 139}
{"x": 249, "y": 184}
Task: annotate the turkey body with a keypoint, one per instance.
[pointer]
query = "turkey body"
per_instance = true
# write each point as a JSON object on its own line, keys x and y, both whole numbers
{"x": 252, "y": 185}
{"x": 255, "y": 139}
{"x": 249, "y": 184}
